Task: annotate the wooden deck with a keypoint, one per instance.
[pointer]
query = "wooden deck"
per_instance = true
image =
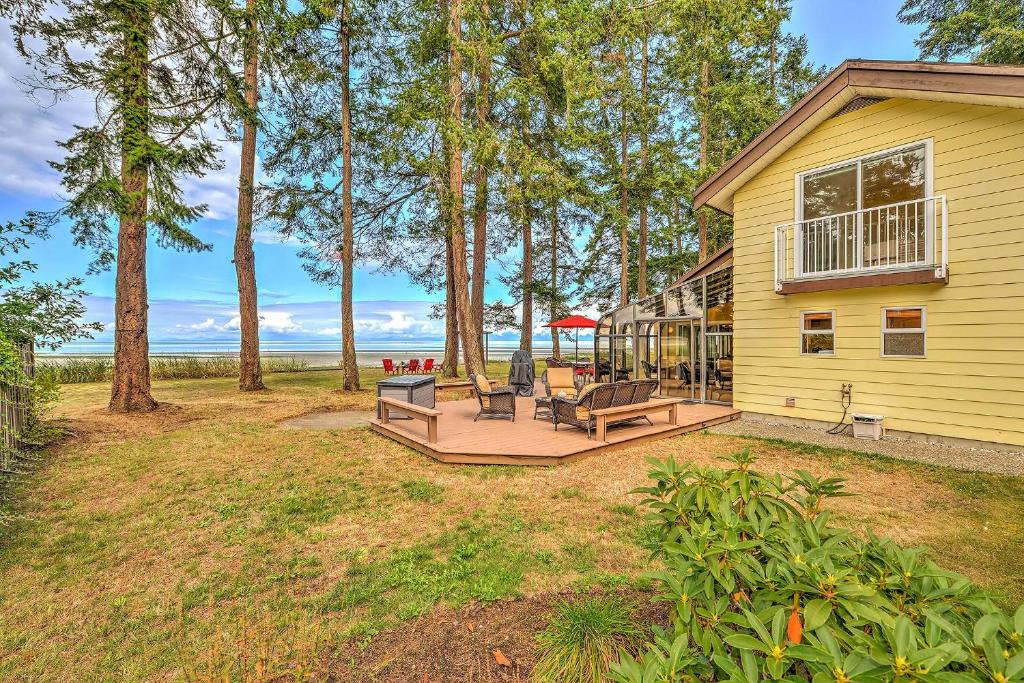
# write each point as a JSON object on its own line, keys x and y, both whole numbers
{"x": 527, "y": 441}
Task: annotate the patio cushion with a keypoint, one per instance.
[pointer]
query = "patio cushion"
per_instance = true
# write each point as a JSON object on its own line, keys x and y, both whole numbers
{"x": 561, "y": 381}
{"x": 483, "y": 387}
{"x": 583, "y": 413}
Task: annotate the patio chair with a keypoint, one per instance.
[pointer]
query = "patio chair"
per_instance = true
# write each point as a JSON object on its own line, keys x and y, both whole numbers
{"x": 499, "y": 402}
{"x": 553, "y": 362}
{"x": 578, "y": 412}
{"x": 389, "y": 366}
{"x": 414, "y": 365}
{"x": 683, "y": 373}
{"x": 558, "y": 381}
{"x": 650, "y": 372}
{"x": 428, "y": 365}
{"x": 723, "y": 377}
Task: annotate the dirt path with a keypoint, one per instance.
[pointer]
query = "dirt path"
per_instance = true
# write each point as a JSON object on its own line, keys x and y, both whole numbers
{"x": 334, "y": 420}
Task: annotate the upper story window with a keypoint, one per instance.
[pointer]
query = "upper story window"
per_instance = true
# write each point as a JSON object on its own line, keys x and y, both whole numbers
{"x": 866, "y": 213}
{"x": 891, "y": 177}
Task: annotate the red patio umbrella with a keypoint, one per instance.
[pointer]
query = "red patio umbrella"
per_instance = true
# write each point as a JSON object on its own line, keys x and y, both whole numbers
{"x": 574, "y": 322}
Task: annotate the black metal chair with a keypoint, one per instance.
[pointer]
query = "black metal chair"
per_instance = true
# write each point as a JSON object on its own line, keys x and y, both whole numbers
{"x": 499, "y": 402}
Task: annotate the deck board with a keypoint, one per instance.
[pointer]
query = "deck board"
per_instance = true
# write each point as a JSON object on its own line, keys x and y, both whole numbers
{"x": 535, "y": 442}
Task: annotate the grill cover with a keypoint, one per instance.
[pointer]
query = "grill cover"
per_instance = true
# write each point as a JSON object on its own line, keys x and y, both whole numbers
{"x": 522, "y": 373}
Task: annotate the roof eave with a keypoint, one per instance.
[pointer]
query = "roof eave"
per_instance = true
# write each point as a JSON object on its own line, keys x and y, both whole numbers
{"x": 983, "y": 84}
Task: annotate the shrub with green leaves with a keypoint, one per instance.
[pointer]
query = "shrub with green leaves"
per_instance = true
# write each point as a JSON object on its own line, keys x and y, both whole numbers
{"x": 762, "y": 587}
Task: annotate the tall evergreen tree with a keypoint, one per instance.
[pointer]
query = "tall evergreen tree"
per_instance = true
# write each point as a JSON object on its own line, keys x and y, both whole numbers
{"x": 158, "y": 71}
{"x": 311, "y": 155}
{"x": 250, "y": 375}
{"x": 990, "y": 31}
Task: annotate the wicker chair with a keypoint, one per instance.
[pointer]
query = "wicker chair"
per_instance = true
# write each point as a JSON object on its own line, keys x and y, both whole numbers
{"x": 499, "y": 402}
{"x": 577, "y": 412}
{"x": 560, "y": 380}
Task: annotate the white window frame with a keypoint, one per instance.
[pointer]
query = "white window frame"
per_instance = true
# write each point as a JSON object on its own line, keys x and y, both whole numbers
{"x": 798, "y": 183}
{"x": 804, "y": 331}
{"x": 923, "y": 331}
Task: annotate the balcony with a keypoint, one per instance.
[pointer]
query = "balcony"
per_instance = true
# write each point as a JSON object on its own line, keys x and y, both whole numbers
{"x": 902, "y": 243}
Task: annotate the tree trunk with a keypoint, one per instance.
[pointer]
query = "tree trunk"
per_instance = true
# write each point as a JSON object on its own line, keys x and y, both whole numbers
{"x": 624, "y": 190}
{"x": 130, "y": 390}
{"x": 526, "y": 187}
{"x": 481, "y": 180}
{"x": 469, "y": 326}
{"x": 553, "y": 310}
{"x": 451, "y": 319}
{"x": 645, "y": 193}
{"x": 702, "y": 161}
{"x": 526, "y": 332}
{"x": 349, "y": 368}
{"x": 250, "y": 375}
{"x": 677, "y": 218}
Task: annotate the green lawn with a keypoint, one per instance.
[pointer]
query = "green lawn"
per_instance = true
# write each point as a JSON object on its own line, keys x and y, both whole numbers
{"x": 147, "y": 547}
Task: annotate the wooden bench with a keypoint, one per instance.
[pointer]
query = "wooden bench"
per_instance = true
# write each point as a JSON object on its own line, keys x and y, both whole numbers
{"x": 465, "y": 385}
{"x": 669, "y": 405}
{"x": 428, "y": 415}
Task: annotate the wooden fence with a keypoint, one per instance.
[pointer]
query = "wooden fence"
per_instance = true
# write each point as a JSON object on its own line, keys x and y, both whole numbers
{"x": 14, "y": 406}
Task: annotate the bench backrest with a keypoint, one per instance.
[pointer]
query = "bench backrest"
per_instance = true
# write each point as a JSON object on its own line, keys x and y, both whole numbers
{"x": 624, "y": 392}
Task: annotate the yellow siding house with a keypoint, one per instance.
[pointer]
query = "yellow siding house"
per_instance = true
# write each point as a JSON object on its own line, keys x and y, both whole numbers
{"x": 879, "y": 243}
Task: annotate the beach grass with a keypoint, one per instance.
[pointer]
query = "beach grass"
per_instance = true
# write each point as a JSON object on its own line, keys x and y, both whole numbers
{"x": 181, "y": 543}
{"x": 85, "y": 370}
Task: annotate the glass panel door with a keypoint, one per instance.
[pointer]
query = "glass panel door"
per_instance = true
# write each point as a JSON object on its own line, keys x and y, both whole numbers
{"x": 622, "y": 357}
{"x": 678, "y": 356}
{"x": 648, "y": 350}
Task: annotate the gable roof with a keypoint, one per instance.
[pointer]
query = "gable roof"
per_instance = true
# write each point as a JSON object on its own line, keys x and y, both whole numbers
{"x": 999, "y": 85}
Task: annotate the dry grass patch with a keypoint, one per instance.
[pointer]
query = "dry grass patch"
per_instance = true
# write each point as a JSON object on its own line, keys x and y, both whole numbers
{"x": 146, "y": 541}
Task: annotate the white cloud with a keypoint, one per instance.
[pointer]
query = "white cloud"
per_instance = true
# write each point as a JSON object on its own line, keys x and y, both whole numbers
{"x": 268, "y": 236}
{"x": 282, "y": 322}
{"x": 207, "y": 324}
{"x": 398, "y": 323}
{"x": 31, "y": 131}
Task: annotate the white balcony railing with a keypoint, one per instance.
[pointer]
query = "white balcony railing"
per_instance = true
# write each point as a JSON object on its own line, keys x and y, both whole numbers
{"x": 904, "y": 236}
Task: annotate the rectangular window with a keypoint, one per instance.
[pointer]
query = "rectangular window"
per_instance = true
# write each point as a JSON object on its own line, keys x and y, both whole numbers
{"x": 865, "y": 213}
{"x": 903, "y": 332}
{"x": 818, "y": 333}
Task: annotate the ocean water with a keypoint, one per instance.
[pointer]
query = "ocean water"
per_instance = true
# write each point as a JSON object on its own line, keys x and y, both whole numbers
{"x": 314, "y": 352}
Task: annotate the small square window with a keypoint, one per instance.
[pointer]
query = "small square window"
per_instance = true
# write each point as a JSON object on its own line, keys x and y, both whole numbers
{"x": 903, "y": 331}
{"x": 817, "y": 333}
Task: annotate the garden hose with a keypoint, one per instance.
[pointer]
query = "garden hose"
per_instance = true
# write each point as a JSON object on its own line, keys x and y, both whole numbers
{"x": 845, "y": 400}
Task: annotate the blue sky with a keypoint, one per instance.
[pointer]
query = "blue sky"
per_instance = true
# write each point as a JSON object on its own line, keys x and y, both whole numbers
{"x": 194, "y": 294}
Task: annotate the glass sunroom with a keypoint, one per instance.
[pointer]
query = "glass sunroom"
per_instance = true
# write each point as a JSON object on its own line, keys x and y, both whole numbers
{"x": 681, "y": 336}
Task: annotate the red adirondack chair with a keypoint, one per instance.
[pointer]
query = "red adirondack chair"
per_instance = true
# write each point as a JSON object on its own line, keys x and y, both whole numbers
{"x": 414, "y": 365}
{"x": 389, "y": 366}
{"x": 428, "y": 365}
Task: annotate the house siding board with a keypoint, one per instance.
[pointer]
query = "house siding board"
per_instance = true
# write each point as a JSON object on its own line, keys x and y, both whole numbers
{"x": 969, "y": 384}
